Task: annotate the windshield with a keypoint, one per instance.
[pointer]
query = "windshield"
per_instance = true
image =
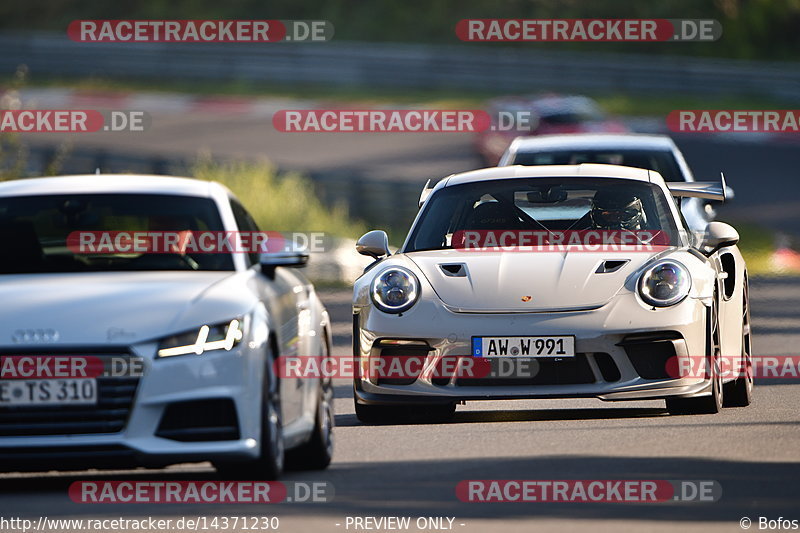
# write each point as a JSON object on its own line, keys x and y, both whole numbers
{"x": 568, "y": 110}
{"x": 661, "y": 161}
{"x": 34, "y": 231}
{"x": 543, "y": 204}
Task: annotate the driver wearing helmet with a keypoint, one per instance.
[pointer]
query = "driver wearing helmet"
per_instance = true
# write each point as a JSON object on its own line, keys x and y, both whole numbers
{"x": 616, "y": 210}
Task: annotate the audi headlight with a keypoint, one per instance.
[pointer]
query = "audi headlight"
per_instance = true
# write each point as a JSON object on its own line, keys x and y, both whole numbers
{"x": 395, "y": 290}
{"x": 223, "y": 336}
{"x": 665, "y": 283}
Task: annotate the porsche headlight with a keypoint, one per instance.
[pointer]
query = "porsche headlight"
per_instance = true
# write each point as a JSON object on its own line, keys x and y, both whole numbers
{"x": 395, "y": 290}
{"x": 665, "y": 283}
{"x": 224, "y": 336}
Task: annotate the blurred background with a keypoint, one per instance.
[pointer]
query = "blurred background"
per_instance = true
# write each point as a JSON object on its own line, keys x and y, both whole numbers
{"x": 211, "y": 104}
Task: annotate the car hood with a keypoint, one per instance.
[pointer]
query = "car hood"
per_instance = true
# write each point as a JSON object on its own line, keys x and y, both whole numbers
{"x": 116, "y": 308}
{"x": 527, "y": 281}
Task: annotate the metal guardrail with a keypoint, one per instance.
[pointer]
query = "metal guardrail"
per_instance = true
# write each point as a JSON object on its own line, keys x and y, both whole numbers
{"x": 382, "y": 204}
{"x": 465, "y": 66}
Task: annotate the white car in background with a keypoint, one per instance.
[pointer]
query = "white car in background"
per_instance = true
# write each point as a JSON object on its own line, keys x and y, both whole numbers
{"x": 614, "y": 323}
{"x": 653, "y": 152}
{"x": 205, "y": 330}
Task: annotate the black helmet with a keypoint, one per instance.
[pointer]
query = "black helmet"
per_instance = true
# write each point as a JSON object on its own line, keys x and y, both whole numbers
{"x": 615, "y": 209}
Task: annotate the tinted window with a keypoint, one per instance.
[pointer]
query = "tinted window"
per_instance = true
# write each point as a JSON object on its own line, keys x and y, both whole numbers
{"x": 244, "y": 222}
{"x": 535, "y": 204}
{"x": 34, "y": 231}
{"x": 661, "y": 161}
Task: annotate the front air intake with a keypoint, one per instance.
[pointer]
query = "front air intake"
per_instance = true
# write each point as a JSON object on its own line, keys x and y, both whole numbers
{"x": 454, "y": 270}
{"x": 610, "y": 265}
{"x": 199, "y": 420}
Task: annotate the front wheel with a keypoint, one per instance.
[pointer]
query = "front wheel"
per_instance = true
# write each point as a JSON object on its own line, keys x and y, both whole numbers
{"x": 705, "y": 404}
{"x": 739, "y": 393}
{"x": 269, "y": 465}
{"x": 317, "y": 453}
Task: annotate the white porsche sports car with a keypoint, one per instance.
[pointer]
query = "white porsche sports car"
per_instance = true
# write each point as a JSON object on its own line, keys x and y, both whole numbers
{"x": 183, "y": 344}
{"x": 552, "y": 282}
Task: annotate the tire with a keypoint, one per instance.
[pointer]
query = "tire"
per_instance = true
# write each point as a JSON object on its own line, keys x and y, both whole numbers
{"x": 269, "y": 465}
{"x": 317, "y": 453}
{"x": 711, "y": 404}
{"x": 395, "y": 414}
{"x": 739, "y": 393}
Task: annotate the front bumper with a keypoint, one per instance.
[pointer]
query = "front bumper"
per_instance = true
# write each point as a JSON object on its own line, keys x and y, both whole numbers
{"x": 163, "y": 423}
{"x": 621, "y": 352}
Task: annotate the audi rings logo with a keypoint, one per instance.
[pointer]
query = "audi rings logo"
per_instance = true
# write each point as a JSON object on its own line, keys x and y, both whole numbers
{"x": 34, "y": 336}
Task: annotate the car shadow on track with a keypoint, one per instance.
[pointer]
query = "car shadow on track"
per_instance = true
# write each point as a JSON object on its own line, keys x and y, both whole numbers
{"x": 52, "y": 481}
{"x": 530, "y": 415}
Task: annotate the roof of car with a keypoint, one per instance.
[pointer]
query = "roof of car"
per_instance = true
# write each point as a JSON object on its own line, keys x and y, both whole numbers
{"x": 585, "y": 170}
{"x": 592, "y": 141}
{"x": 111, "y": 183}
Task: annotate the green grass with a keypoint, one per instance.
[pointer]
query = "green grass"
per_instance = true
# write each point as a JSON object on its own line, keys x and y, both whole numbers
{"x": 279, "y": 202}
{"x": 661, "y": 105}
{"x": 332, "y": 285}
{"x": 757, "y": 245}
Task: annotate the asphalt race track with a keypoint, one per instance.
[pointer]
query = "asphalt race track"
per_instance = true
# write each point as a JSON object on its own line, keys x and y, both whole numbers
{"x": 412, "y": 470}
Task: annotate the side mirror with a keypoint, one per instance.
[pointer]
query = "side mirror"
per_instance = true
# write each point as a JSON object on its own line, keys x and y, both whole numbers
{"x": 284, "y": 259}
{"x": 718, "y": 235}
{"x": 374, "y": 243}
